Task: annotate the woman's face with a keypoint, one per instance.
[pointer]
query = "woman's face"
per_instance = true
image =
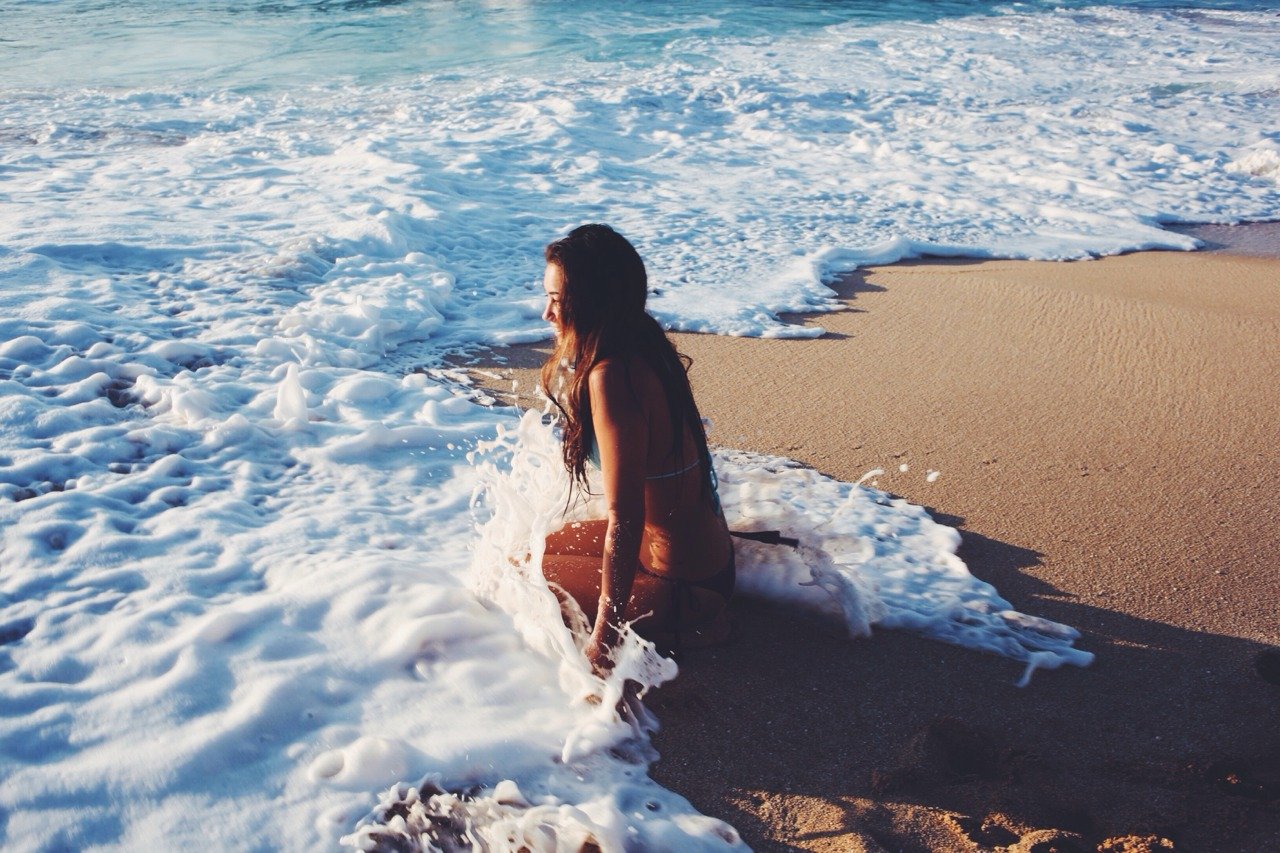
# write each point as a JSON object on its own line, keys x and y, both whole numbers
{"x": 553, "y": 284}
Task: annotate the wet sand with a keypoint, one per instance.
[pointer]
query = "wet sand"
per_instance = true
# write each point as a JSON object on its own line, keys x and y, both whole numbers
{"x": 1107, "y": 434}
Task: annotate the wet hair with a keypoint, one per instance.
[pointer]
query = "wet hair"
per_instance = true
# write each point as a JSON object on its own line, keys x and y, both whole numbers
{"x": 602, "y": 315}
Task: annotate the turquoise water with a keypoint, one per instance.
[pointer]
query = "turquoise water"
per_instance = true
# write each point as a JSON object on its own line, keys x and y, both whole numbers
{"x": 255, "y": 45}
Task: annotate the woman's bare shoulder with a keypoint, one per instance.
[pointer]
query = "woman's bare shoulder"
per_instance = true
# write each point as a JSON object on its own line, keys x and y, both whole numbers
{"x": 633, "y": 377}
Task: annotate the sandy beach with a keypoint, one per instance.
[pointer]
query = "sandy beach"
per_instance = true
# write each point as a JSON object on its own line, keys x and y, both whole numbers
{"x": 1105, "y": 434}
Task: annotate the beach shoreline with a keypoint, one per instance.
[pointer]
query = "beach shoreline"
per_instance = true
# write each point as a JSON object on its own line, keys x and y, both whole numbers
{"x": 1248, "y": 239}
{"x": 1104, "y": 437}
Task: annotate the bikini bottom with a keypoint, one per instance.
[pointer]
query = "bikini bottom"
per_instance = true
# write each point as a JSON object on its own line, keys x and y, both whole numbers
{"x": 685, "y": 602}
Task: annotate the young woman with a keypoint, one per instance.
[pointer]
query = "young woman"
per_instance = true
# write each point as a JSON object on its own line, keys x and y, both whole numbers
{"x": 662, "y": 557}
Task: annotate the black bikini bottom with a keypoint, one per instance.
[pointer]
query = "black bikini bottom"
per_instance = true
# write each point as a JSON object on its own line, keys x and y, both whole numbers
{"x": 685, "y": 602}
{"x": 721, "y": 583}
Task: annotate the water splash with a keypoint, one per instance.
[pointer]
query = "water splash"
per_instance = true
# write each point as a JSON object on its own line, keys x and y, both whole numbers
{"x": 866, "y": 557}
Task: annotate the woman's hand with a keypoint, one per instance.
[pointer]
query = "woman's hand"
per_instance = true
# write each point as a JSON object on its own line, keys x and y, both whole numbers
{"x": 600, "y": 648}
{"x": 599, "y": 656}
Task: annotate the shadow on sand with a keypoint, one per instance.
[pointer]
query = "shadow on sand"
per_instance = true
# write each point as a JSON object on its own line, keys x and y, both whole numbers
{"x": 1170, "y": 733}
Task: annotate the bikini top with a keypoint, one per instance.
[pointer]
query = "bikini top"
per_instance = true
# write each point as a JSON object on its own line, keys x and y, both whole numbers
{"x": 769, "y": 537}
{"x": 593, "y": 454}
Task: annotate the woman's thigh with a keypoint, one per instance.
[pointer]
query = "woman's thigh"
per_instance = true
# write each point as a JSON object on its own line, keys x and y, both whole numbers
{"x": 572, "y": 561}
{"x": 579, "y": 538}
{"x": 579, "y": 576}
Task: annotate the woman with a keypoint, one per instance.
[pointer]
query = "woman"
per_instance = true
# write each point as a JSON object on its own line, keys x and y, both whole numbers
{"x": 662, "y": 558}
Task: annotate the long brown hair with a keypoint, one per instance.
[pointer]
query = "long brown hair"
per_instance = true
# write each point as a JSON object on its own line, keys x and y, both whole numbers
{"x": 602, "y": 315}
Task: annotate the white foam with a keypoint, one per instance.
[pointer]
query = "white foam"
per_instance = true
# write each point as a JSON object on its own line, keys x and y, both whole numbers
{"x": 1260, "y": 160}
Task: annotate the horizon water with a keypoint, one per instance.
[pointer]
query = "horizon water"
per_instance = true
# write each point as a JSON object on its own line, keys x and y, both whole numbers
{"x": 261, "y": 46}
{"x": 263, "y": 557}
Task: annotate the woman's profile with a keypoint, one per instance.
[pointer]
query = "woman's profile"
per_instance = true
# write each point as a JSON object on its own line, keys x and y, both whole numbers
{"x": 662, "y": 557}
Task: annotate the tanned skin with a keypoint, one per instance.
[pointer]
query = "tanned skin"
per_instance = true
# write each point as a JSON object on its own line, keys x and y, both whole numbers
{"x": 669, "y": 525}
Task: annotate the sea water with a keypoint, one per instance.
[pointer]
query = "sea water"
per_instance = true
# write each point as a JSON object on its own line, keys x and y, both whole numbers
{"x": 266, "y": 566}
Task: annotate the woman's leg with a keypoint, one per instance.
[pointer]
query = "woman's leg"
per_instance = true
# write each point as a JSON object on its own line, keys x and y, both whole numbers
{"x": 572, "y": 561}
{"x": 579, "y": 538}
{"x": 579, "y": 576}
{"x": 703, "y": 621}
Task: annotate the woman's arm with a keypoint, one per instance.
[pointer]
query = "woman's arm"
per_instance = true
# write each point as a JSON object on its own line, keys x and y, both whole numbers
{"x": 622, "y": 435}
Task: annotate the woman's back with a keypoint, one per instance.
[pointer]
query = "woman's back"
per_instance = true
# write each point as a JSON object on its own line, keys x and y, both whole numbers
{"x": 685, "y": 533}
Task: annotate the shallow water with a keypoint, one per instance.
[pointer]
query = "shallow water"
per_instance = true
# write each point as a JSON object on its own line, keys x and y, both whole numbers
{"x": 1257, "y": 239}
{"x": 250, "y": 566}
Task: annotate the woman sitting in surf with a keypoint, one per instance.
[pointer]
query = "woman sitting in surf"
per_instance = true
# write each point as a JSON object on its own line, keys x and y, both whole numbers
{"x": 662, "y": 558}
